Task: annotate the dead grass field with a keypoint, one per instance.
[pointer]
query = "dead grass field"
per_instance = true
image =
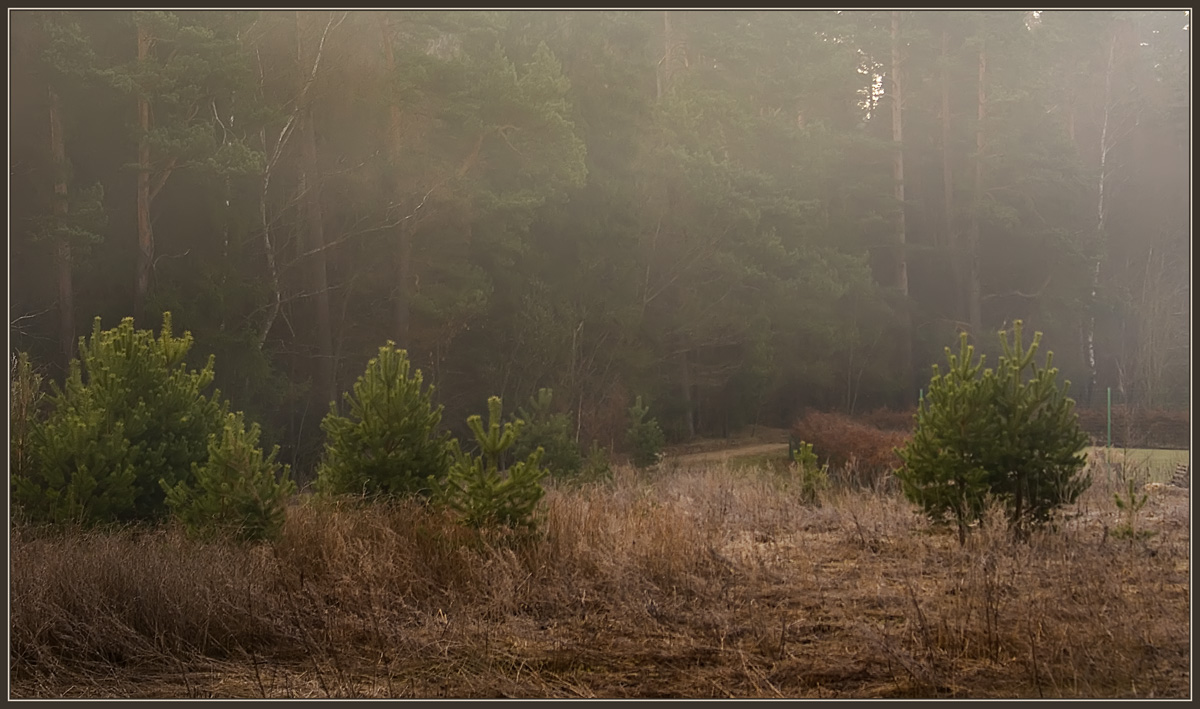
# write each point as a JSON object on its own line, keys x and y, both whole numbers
{"x": 701, "y": 581}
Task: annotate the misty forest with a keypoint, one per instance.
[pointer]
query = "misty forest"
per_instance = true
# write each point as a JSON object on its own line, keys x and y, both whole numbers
{"x": 564, "y": 353}
{"x": 735, "y": 215}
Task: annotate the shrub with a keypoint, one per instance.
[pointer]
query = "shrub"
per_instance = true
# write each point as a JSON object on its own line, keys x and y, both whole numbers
{"x": 390, "y": 444}
{"x": 596, "y": 466}
{"x": 889, "y": 420}
{"x": 813, "y": 478}
{"x": 550, "y": 432}
{"x": 483, "y": 494}
{"x": 644, "y": 436}
{"x": 863, "y": 451}
{"x": 131, "y": 413}
{"x": 236, "y": 492}
{"x": 997, "y": 434}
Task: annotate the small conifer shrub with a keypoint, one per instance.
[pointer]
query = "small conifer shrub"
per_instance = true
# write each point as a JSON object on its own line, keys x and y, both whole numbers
{"x": 1010, "y": 433}
{"x": 483, "y": 494}
{"x": 390, "y": 444}
{"x": 644, "y": 436}
{"x": 237, "y": 492}
{"x": 552, "y": 433}
{"x": 131, "y": 413}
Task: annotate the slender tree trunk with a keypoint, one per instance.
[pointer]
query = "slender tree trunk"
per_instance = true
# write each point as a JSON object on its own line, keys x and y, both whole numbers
{"x": 1101, "y": 221}
{"x": 662, "y": 77}
{"x": 145, "y": 257}
{"x": 685, "y": 391}
{"x": 949, "y": 235}
{"x": 402, "y": 253}
{"x": 901, "y": 258}
{"x": 269, "y": 248}
{"x": 974, "y": 288}
{"x": 62, "y": 247}
{"x": 318, "y": 272}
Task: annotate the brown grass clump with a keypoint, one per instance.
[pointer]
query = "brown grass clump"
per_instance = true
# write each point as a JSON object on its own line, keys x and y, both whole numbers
{"x": 690, "y": 583}
{"x": 866, "y": 453}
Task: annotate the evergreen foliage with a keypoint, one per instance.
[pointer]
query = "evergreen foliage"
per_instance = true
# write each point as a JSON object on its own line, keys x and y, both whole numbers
{"x": 812, "y": 476}
{"x": 1010, "y": 433}
{"x": 130, "y": 414}
{"x": 644, "y": 436}
{"x": 698, "y": 207}
{"x": 552, "y": 433}
{"x": 390, "y": 443}
{"x": 483, "y": 493}
{"x": 236, "y": 492}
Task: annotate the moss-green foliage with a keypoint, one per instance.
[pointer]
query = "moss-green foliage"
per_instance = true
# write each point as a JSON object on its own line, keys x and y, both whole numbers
{"x": 812, "y": 477}
{"x": 596, "y": 466}
{"x": 131, "y": 413}
{"x": 1129, "y": 506}
{"x": 1011, "y": 433}
{"x": 236, "y": 492}
{"x": 481, "y": 492}
{"x": 390, "y": 443}
{"x": 645, "y": 438}
{"x": 552, "y": 433}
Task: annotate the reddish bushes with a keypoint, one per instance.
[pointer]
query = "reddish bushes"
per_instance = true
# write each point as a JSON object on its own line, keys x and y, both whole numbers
{"x": 864, "y": 452}
{"x": 888, "y": 420}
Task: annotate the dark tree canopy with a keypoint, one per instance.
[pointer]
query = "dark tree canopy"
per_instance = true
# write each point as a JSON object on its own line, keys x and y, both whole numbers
{"x": 699, "y": 208}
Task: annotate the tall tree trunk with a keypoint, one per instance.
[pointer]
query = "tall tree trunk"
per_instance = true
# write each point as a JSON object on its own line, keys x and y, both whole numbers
{"x": 901, "y": 257}
{"x": 269, "y": 249}
{"x": 62, "y": 247}
{"x": 1101, "y": 221}
{"x": 685, "y": 391}
{"x": 402, "y": 253}
{"x": 145, "y": 234}
{"x": 662, "y": 77}
{"x": 974, "y": 288}
{"x": 317, "y": 270}
{"x": 948, "y": 233}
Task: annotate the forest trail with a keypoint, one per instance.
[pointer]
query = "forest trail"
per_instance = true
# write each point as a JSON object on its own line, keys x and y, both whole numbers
{"x": 726, "y": 453}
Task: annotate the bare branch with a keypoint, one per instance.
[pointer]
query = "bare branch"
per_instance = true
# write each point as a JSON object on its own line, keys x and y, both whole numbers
{"x": 1035, "y": 294}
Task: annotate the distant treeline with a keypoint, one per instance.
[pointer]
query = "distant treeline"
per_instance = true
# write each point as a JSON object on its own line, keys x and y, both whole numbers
{"x": 738, "y": 215}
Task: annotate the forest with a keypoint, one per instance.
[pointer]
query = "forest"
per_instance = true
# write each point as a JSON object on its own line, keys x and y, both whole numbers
{"x": 736, "y": 215}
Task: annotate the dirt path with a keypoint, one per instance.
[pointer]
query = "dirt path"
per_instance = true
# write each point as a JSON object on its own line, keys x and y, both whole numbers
{"x": 727, "y": 453}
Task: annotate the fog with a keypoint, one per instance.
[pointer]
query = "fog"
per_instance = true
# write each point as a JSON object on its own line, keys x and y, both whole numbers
{"x": 736, "y": 215}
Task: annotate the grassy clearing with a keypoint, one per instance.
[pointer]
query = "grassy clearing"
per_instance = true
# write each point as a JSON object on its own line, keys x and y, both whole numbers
{"x": 707, "y": 581}
{"x": 1144, "y": 464}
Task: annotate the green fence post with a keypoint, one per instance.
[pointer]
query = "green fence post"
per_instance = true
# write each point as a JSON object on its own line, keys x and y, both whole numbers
{"x": 1110, "y": 417}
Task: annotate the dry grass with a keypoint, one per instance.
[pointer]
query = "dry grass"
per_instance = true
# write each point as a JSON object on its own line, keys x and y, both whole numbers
{"x": 693, "y": 582}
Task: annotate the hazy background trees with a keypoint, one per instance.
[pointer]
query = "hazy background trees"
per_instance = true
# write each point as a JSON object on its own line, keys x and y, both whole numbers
{"x": 727, "y": 213}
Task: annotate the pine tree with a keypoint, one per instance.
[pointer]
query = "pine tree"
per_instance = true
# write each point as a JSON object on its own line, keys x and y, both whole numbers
{"x": 139, "y": 416}
{"x": 390, "y": 443}
{"x": 645, "y": 437}
{"x": 236, "y": 492}
{"x": 1000, "y": 434}
{"x": 550, "y": 432}
{"x": 484, "y": 494}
